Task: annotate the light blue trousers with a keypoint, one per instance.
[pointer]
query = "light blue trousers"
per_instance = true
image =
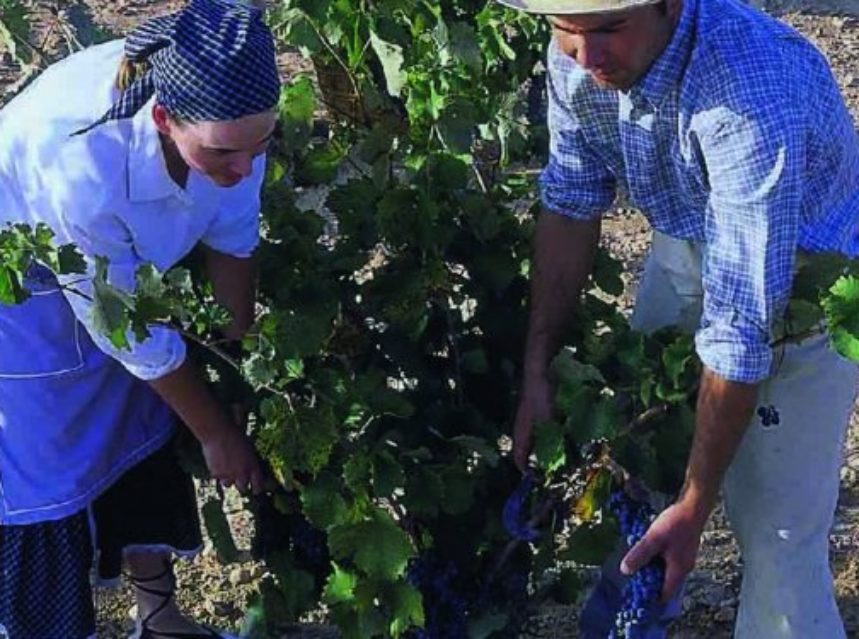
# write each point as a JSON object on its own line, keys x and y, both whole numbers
{"x": 781, "y": 489}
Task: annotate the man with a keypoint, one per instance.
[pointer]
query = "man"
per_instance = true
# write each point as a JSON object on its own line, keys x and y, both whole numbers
{"x": 728, "y": 131}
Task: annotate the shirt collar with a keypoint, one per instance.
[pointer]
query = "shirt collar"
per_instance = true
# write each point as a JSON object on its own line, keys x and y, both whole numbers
{"x": 148, "y": 179}
{"x": 668, "y": 68}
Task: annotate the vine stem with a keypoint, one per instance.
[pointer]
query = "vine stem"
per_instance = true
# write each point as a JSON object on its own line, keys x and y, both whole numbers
{"x": 536, "y": 520}
{"x": 210, "y": 346}
{"x": 477, "y": 174}
{"x": 649, "y": 415}
{"x": 333, "y": 52}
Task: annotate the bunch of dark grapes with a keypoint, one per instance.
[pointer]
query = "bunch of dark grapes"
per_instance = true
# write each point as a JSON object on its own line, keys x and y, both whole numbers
{"x": 642, "y": 590}
{"x": 444, "y": 606}
{"x": 276, "y": 531}
{"x": 308, "y": 543}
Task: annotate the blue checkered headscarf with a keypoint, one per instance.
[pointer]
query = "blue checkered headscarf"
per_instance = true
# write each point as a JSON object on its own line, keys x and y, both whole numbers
{"x": 214, "y": 60}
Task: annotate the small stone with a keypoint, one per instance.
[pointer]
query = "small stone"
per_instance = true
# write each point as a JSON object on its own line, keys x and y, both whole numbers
{"x": 132, "y": 612}
{"x": 220, "y": 608}
{"x": 240, "y": 576}
{"x": 257, "y": 571}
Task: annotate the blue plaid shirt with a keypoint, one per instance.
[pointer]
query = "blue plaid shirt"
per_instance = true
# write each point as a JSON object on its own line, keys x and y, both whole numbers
{"x": 737, "y": 137}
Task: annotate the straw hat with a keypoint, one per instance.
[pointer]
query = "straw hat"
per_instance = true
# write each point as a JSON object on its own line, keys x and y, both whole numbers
{"x": 574, "y": 7}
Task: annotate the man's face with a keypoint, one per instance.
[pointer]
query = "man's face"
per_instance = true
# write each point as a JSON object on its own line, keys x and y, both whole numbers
{"x": 617, "y": 48}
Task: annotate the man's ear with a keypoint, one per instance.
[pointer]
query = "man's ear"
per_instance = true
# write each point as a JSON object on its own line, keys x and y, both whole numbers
{"x": 162, "y": 119}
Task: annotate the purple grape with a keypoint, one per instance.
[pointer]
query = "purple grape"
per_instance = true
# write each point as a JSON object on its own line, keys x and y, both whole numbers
{"x": 642, "y": 590}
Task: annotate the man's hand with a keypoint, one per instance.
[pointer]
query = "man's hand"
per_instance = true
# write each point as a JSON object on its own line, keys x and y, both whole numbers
{"x": 535, "y": 406}
{"x": 232, "y": 460}
{"x": 675, "y": 535}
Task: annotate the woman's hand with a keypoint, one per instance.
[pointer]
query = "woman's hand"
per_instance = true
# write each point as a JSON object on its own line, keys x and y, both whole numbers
{"x": 232, "y": 460}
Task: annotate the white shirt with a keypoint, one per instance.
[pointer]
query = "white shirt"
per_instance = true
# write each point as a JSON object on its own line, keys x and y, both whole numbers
{"x": 108, "y": 191}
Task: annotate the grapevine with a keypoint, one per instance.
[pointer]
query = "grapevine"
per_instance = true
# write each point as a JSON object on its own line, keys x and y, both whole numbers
{"x": 383, "y": 370}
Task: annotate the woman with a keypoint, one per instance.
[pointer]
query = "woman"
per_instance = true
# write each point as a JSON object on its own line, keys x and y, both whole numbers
{"x": 136, "y": 167}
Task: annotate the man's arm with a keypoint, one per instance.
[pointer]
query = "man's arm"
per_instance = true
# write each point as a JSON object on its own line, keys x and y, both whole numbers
{"x": 723, "y": 413}
{"x": 564, "y": 251}
{"x": 724, "y": 410}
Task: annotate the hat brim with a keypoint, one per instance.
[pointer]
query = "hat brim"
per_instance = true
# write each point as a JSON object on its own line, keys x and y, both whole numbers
{"x": 575, "y": 7}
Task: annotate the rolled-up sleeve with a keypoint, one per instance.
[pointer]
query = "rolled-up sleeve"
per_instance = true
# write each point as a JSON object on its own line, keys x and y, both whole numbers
{"x": 104, "y": 235}
{"x": 575, "y": 182}
{"x": 235, "y": 230}
{"x": 754, "y": 168}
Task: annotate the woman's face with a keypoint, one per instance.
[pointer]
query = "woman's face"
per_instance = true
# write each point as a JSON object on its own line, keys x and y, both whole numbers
{"x": 222, "y": 151}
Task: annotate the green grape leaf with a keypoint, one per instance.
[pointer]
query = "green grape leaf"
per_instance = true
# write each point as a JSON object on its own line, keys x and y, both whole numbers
{"x": 595, "y": 495}
{"x": 70, "y": 260}
{"x": 549, "y": 446}
{"x": 323, "y": 503}
{"x": 603, "y": 422}
{"x": 359, "y": 622}
{"x": 447, "y": 172}
{"x": 11, "y": 291}
{"x": 574, "y": 401}
{"x": 299, "y": 31}
{"x": 340, "y": 587}
{"x": 387, "y": 474}
{"x": 378, "y": 142}
{"x": 457, "y": 127}
{"x": 841, "y": 306}
{"x": 464, "y": 46}
{"x": 480, "y": 446}
{"x": 111, "y": 308}
{"x": 568, "y": 370}
{"x": 671, "y": 442}
{"x": 590, "y": 544}
{"x": 291, "y": 594}
{"x": 675, "y": 357}
{"x": 424, "y": 492}
{"x": 258, "y": 371}
{"x": 459, "y": 488}
{"x": 407, "y": 608}
{"x": 255, "y": 624}
{"x": 296, "y": 108}
{"x": 486, "y": 624}
{"x": 219, "y": 531}
{"x": 357, "y": 472}
{"x": 391, "y": 57}
{"x": 377, "y": 546}
{"x": 320, "y": 165}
